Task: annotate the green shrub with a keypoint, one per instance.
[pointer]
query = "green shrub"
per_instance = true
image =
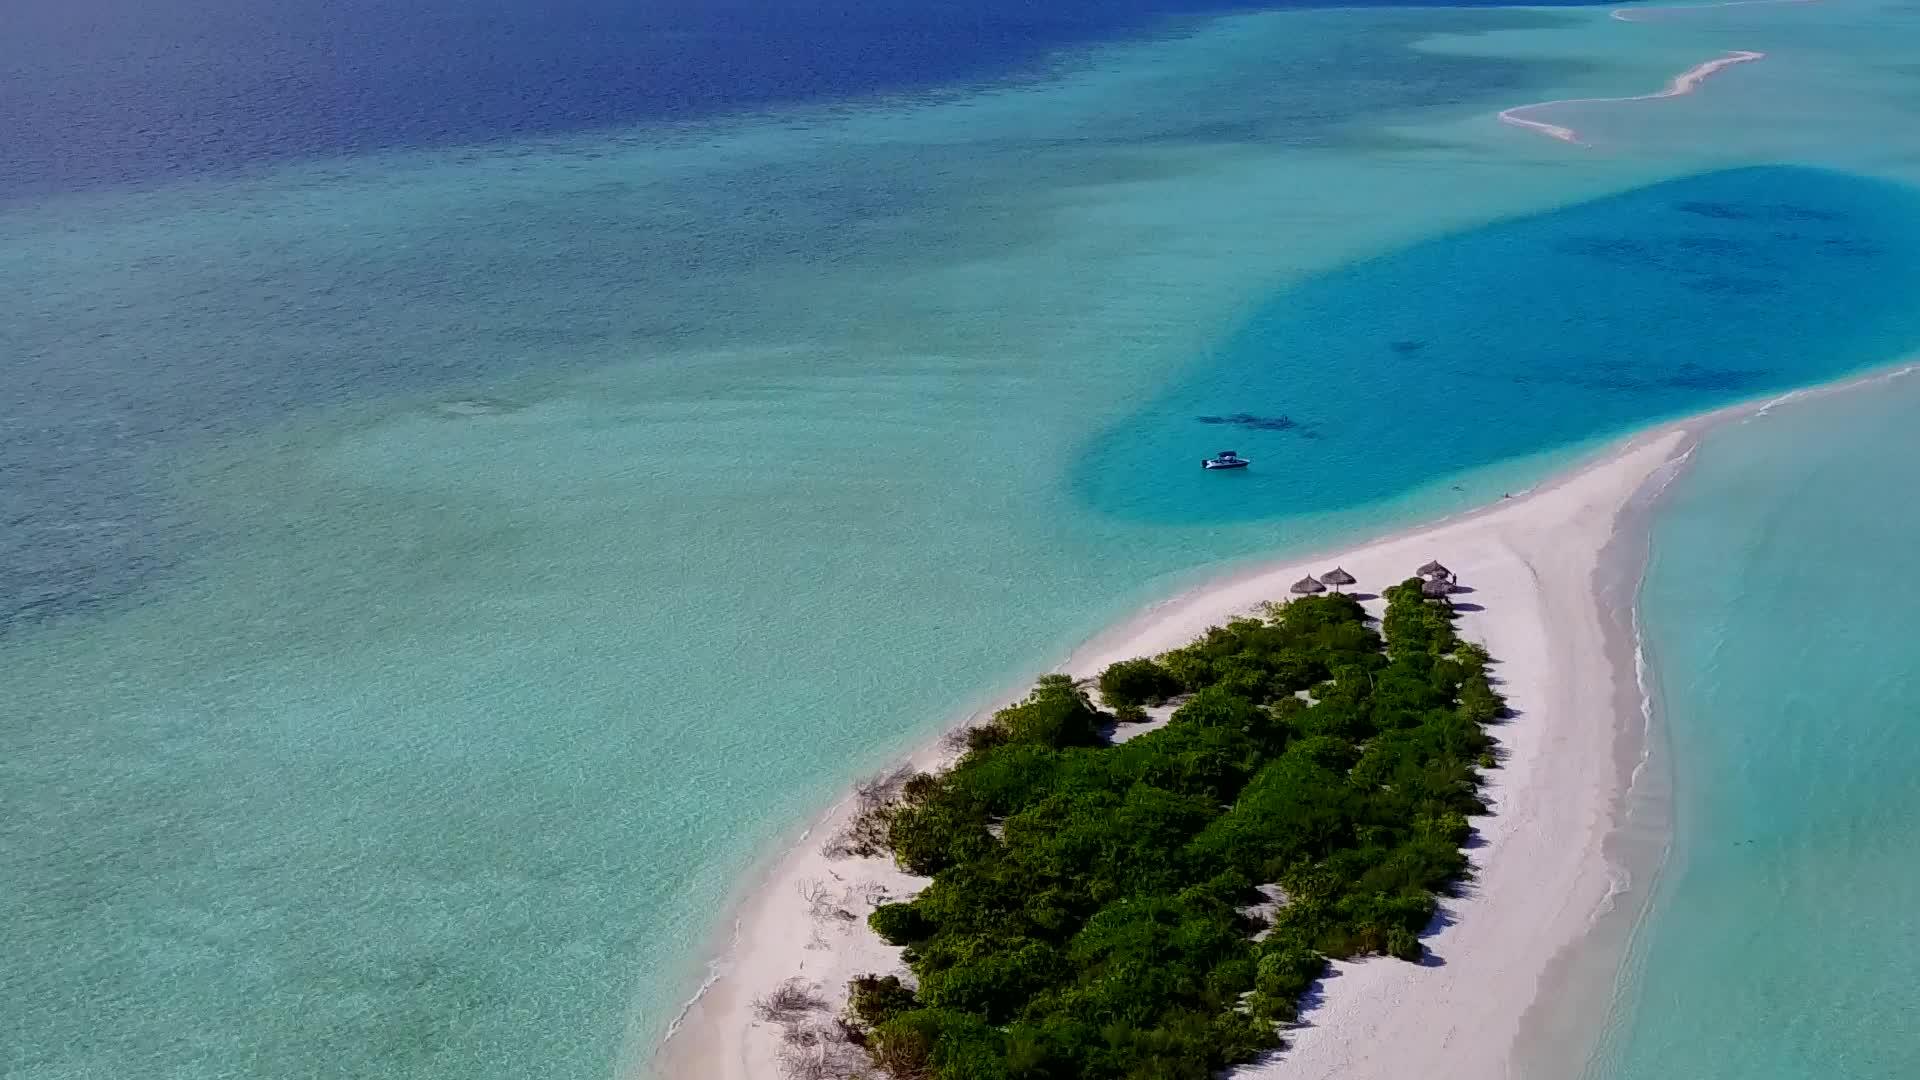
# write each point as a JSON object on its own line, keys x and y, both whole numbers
{"x": 1473, "y": 657}
{"x": 939, "y": 831}
{"x": 1056, "y": 714}
{"x": 874, "y": 999}
{"x": 1478, "y": 703}
{"x": 992, "y": 983}
{"x": 1189, "y": 669}
{"x": 1140, "y": 681}
{"x": 1288, "y": 971}
{"x": 1098, "y": 937}
{"x": 899, "y": 924}
{"x": 940, "y": 1043}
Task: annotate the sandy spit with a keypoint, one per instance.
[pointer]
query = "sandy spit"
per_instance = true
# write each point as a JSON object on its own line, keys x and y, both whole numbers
{"x": 1532, "y": 567}
{"x": 1684, "y": 83}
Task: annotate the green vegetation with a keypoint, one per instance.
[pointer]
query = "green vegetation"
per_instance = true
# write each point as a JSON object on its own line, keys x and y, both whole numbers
{"x": 1144, "y": 681}
{"x": 1086, "y": 920}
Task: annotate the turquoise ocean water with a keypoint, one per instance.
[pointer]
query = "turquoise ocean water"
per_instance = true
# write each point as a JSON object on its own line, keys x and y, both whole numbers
{"x": 434, "y": 577}
{"x": 1782, "y": 615}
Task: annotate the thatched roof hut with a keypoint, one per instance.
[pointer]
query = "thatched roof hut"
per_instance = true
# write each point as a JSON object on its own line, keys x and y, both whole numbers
{"x": 1434, "y": 569}
{"x": 1306, "y": 585}
{"x": 1436, "y": 587}
{"x": 1337, "y": 576}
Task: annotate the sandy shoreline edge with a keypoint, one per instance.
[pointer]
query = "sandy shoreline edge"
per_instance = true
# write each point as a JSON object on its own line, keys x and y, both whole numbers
{"x": 1563, "y": 865}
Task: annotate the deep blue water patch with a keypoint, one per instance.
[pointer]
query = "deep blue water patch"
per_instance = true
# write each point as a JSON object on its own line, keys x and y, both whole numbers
{"x": 1526, "y": 336}
{"x": 125, "y": 91}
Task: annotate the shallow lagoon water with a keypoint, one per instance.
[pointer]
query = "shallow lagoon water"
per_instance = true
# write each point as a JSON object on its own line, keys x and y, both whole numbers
{"x": 433, "y": 577}
{"x": 1780, "y": 609}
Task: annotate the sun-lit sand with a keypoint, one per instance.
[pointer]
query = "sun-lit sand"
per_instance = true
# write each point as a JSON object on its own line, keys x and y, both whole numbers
{"x": 1541, "y": 877}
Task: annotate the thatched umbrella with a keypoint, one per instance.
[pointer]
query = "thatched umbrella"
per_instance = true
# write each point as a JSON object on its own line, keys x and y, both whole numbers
{"x": 1337, "y": 577}
{"x": 1436, "y": 587}
{"x": 1306, "y": 585}
{"x": 1433, "y": 569}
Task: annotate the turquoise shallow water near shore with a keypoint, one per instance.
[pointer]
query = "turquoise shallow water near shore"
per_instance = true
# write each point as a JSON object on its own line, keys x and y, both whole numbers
{"x": 432, "y": 577}
{"x": 1782, "y": 616}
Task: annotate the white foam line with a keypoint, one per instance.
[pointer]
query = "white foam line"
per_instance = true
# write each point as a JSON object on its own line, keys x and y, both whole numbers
{"x": 1768, "y": 407}
{"x": 1816, "y": 391}
{"x": 1684, "y": 83}
{"x": 722, "y": 965}
{"x": 716, "y": 970}
{"x": 1619, "y": 878}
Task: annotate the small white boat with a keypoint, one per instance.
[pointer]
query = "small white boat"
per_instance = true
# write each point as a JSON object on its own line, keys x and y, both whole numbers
{"x": 1225, "y": 459}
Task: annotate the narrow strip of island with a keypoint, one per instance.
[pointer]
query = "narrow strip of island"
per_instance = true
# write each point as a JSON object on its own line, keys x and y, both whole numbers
{"x": 1071, "y": 903}
{"x": 1104, "y": 906}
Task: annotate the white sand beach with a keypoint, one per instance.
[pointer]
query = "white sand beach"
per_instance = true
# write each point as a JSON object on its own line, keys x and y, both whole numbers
{"x": 1541, "y": 874}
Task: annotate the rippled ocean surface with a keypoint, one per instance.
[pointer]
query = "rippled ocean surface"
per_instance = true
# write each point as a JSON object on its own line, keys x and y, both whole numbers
{"x": 440, "y": 551}
{"x": 116, "y": 92}
{"x": 1782, "y": 612}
